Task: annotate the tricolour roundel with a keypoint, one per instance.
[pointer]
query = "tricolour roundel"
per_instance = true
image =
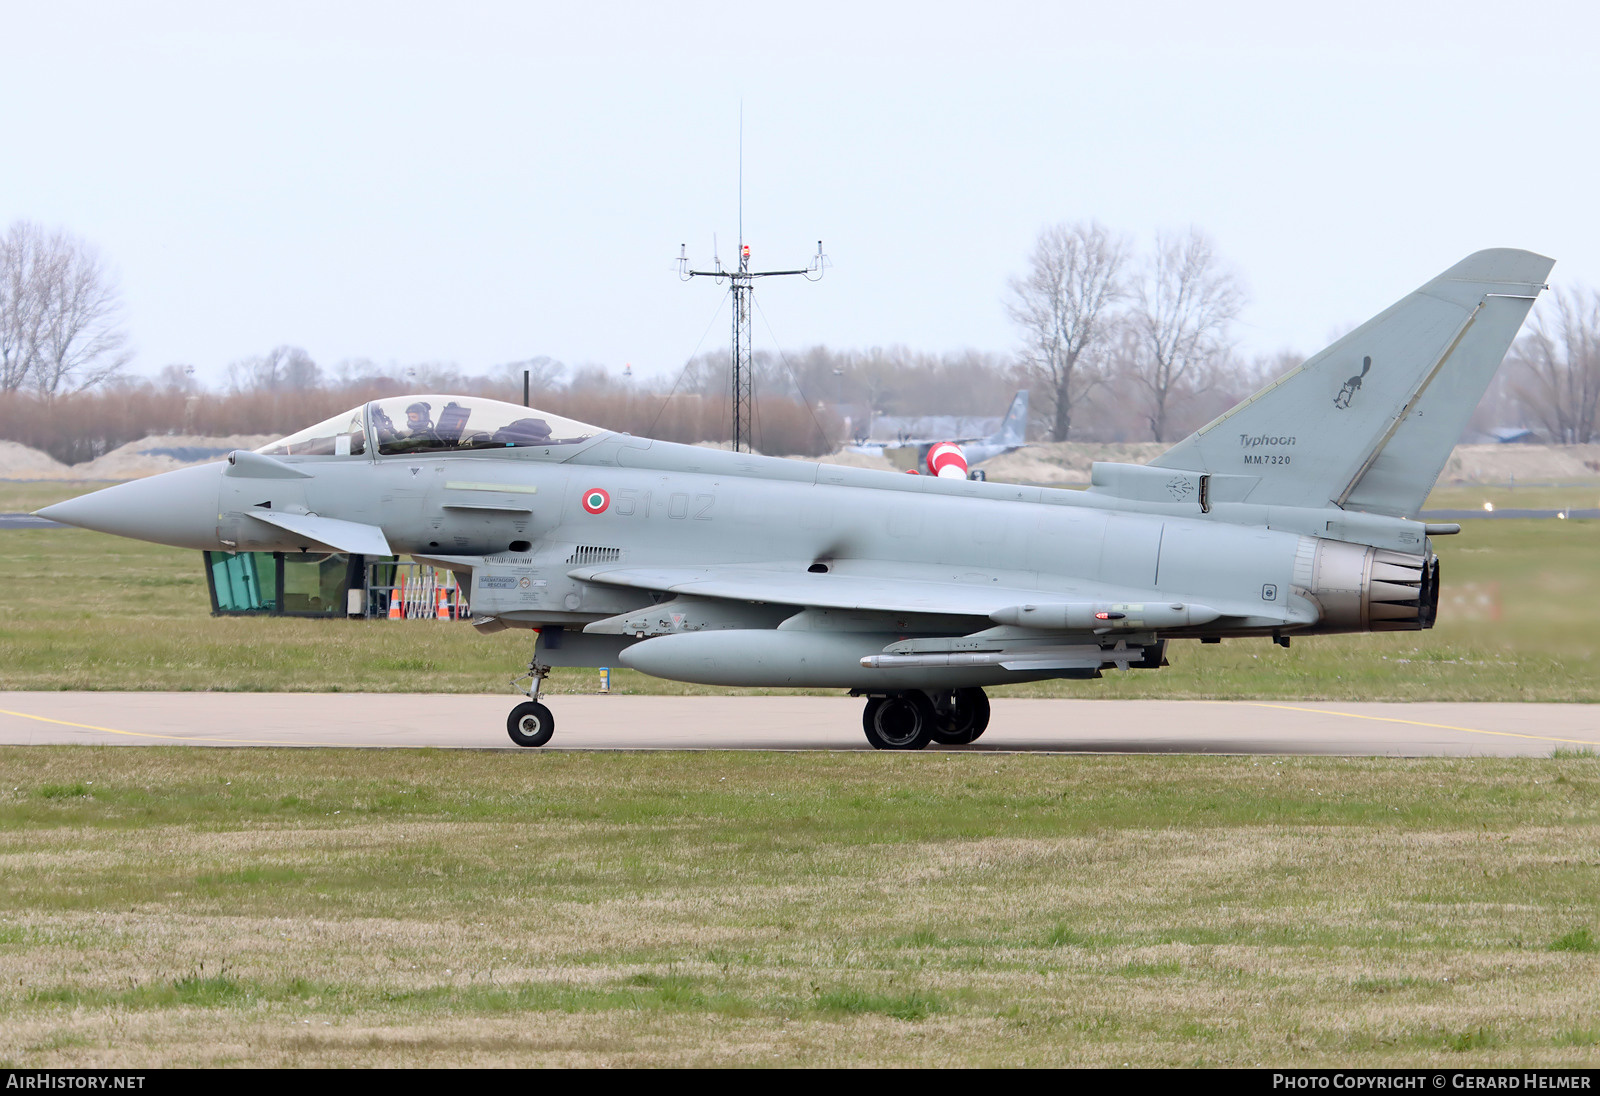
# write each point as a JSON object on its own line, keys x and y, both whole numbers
{"x": 595, "y": 500}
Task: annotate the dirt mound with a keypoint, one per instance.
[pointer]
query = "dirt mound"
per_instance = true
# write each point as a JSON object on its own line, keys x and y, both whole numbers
{"x": 149, "y": 456}
{"x": 137, "y": 459}
{"x": 18, "y": 462}
{"x": 848, "y": 459}
{"x": 1068, "y": 462}
{"x": 1078, "y": 455}
{"x": 1023, "y": 467}
{"x": 1523, "y": 463}
{"x": 855, "y": 460}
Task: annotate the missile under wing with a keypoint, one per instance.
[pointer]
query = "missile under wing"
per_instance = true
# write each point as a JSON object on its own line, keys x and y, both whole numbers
{"x": 1291, "y": 515}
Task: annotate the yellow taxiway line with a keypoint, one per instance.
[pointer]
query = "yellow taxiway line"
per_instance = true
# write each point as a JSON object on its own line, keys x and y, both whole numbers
{"x": 168, "y": 737}
{"x": 1420, "y": 723}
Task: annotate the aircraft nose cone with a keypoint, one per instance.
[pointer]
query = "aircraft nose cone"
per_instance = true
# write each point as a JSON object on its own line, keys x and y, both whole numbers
{"x": 177, "y": 508}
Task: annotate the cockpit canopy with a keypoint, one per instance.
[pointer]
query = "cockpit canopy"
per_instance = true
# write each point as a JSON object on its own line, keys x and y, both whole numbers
{"x": 431, "y": 424}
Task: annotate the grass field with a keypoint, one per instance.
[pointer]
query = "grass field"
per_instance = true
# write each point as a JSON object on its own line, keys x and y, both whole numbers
{"x": 81, "y": 610}
{"x": 1530, "y": 497}
{"x": 167, "y": 906}
{"x": 201, "y": 907}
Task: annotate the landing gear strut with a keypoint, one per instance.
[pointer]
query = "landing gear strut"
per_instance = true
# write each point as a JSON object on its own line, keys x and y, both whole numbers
{"x": 962, "y": 716}
{"x": 530, "y": 723}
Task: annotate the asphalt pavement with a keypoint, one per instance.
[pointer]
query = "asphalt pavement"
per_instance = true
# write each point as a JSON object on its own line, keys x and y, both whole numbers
{"x": 791, "y": 723}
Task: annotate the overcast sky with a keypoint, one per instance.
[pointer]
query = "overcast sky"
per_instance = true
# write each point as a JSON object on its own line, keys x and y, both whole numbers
{"x": 480, "y": 183}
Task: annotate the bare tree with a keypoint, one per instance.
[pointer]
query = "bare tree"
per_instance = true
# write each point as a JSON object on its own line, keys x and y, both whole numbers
{"x": 436, "y": 377}
{"x": 706, "y": 374}
{"x": 1556, "y": 366}
{"x": 1185, "y": 303}
{"x": 19, "y": 311}
{"x": 281, "y": 369}
{"x": 544, "y": 373}
{"x": 355, "y": 373}
{"x": 59, "y": 309}
{"x": 1063, "y": 307}
{"x": 178, "y": 378}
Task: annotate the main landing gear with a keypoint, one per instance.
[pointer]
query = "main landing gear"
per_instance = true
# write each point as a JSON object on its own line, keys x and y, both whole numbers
{"x": 530, "y": 723}
{"x": 911, "y": 720}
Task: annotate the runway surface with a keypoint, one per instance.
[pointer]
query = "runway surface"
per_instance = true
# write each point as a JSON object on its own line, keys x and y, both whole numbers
{"x": 28, "y": 521}
{"x": 790, "y": 723}
{"x": 1510, "y": 514}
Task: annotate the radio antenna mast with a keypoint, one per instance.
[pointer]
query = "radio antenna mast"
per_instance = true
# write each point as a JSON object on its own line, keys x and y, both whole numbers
{"x": 742, "y": 280}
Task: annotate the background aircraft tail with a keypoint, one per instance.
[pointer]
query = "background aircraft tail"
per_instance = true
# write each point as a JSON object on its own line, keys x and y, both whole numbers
{"x": 1014, "y": 427}
{"x": 1369, "y": 423}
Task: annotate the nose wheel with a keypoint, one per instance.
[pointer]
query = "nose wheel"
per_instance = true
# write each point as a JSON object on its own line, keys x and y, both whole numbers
{"x": 530, "y": 723}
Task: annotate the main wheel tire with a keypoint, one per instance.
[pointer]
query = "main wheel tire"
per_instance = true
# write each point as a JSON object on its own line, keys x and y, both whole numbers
{"x": 901, "y": 722}
{"x": 530, "y": 724}
{"x": 965, "y": 720}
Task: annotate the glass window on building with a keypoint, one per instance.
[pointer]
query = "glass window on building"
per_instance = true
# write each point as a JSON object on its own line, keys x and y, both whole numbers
{"x": 246, "y": 582}
{"x": 284, "y": 584}
{"x": 314, "y": 583}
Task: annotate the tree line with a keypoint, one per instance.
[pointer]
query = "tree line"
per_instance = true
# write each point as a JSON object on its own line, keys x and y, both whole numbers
{"x": 1115, "y": 342}
{"x": 1111, "y": 334}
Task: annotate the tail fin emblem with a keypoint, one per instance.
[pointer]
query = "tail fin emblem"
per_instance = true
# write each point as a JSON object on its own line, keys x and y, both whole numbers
{"x": 1352, "y": 386}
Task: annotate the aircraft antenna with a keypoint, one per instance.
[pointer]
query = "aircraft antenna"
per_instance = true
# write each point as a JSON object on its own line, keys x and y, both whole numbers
{"x": 741, "y": 281}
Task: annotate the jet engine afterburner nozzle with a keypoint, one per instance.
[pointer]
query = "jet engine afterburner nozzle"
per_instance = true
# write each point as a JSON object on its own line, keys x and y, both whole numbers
{"x": 1362, "y": 589}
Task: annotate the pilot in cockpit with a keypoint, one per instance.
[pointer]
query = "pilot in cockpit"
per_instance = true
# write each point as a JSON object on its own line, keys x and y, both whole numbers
{"x": 419, "y": 423}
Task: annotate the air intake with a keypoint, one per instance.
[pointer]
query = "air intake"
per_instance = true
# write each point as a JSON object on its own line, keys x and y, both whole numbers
{"x": 585, "y": 554}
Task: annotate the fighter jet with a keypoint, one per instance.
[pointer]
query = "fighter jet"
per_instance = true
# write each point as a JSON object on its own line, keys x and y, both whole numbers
{"x": 1290, "y": 515}
{"x": 911, "y": 454}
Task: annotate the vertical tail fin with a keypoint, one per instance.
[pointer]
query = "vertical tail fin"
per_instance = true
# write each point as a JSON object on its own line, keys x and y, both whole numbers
{"x": 1369, "y": 423}
{"x": 1014, "y": 428}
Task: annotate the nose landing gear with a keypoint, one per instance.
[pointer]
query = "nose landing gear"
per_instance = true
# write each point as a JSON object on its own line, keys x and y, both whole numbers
{"x": 530, "y": 723}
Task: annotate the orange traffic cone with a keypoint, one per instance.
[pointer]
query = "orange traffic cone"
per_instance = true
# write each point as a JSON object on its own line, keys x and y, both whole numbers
{"x": 397, "y": 595}
{"x": 442, "y": 606}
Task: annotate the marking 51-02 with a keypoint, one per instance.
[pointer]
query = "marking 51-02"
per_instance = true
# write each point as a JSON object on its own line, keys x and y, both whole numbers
{"x": 680, "y": 505}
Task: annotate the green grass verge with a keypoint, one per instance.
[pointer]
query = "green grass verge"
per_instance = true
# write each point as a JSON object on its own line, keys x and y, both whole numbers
{"x": 190, "y": 907}
{"x": 1574, "y": 496}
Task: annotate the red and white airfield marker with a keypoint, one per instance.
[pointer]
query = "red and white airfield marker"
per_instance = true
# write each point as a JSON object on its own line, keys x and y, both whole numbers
{"x": 947, "y": 461}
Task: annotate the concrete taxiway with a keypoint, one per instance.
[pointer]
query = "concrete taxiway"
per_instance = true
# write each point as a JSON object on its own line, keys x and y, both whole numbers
{"x": 28, "y": 521}
{"x": 790, "y": 723}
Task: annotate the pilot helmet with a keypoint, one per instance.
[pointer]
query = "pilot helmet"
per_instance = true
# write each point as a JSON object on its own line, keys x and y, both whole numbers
{"x": 420, "y": 411}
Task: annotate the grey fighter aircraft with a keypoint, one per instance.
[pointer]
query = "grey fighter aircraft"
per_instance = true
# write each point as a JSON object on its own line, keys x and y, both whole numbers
{"x": 1291, "y": 515}
{"x": 911, "y": 454}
